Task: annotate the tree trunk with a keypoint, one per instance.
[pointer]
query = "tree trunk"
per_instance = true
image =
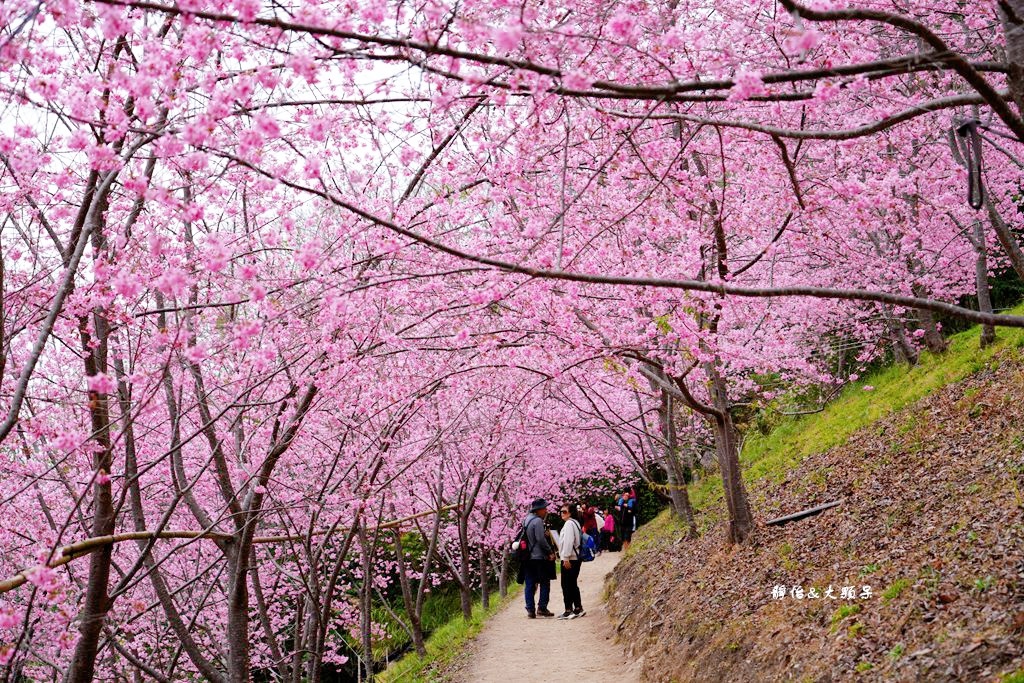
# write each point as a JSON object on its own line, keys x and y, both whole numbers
{"x": 1011, "y": 14}
{"x": 485, "y": 589}
{"x": 415, "y": 623}
{"x": 238, "y": 618}
{"x": 677, "y": 492}
{"x": 503, "y": 574}
{"x": 988, "y": 332}
{"x": 465, "y": 587}
{"x": 933, "y": 339}
{"x": 1011, "y": 247}
{"x": 297, "y": 636}
{"x": 366, "y": 604}
{"x": 97, "y": 598}
{"x": 727, "y": 448}
{"x": 902, "y": 349}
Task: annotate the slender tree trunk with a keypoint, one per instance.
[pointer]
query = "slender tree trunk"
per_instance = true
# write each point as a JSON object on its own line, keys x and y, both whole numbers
{"x": 264, "y": 615}
{"x": 902, "y": 349}
{"x": 485, "y": 589}
{"x": 677, "y": 492}
{"x": 297, "y": 637}
{"x": 465, "y": 586}
{"x": 988, "y": 332}
{"x": 366, "y": 603}
{"x": 97, "y": 598}
{"x": 1011, "y": 247}
{"x": 415, "y": 623}
{"x": 727, "y": 447}
{"x": 503, "y": 573}
{"x": 933, "y": 339}
{"x": 156, "y": 578}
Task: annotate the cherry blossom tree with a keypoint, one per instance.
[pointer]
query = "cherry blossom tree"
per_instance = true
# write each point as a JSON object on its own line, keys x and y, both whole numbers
{"x": 282, "y": 283}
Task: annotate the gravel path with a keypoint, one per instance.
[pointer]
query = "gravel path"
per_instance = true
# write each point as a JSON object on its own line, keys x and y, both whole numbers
{"x": 514, "y": 648}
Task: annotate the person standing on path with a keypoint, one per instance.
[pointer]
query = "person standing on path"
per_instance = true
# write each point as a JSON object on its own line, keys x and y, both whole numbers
{"x": 589, "y": 519}
{"x": 626, "y": 506}
{"x": 607, "y": 531}
{"x": 538, "y": 567}
{"x": 569, "y": 542}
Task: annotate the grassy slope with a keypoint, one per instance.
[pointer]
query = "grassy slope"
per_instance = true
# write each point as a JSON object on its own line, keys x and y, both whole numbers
{"x": 915, "y": 420}
{"x": 895, "y": 387}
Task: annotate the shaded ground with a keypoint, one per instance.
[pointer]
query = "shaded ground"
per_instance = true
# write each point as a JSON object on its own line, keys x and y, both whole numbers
{"x": 514, "y": 648}
{"x": 931, "y": 521}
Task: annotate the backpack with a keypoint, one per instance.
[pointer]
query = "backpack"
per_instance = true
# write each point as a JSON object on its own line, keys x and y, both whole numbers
{"x": 587, "y": 548}
{"x": 520, "y": 548}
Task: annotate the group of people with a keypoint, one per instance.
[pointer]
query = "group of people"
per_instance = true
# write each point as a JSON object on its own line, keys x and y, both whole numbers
{"x": 614, "y": 527}
{"x": 544, "y": 550}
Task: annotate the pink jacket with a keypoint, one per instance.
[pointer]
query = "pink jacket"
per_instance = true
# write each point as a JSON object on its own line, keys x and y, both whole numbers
{"x": 609, "y": 523}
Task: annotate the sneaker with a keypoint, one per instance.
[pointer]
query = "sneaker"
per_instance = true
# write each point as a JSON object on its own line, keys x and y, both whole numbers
{"x": 572, "y": 615}
{"x": 530, "y": 614}
{"x": 545, "y": 613}
{"x": 578, "y": 613}
{"x": 565, "y": 615}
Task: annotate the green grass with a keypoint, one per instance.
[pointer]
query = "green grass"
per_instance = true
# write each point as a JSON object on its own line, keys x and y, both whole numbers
{"x": 868, "y": 569}
{"x": 793, "y": 439}
{"x": 983, "y": 584}
{"x": 441, "y": 606}
{"x": 443, "y": 645}
{"x": 895, "y": 589}
{"x": 845, "y": 611}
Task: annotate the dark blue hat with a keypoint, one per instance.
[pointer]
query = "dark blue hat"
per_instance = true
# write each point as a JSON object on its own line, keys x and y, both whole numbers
{"x": 538, "y": 504}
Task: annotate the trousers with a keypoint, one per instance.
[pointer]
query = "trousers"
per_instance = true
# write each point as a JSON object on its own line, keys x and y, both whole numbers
{"x": 571, "y": 586}
{"x": 536, "y": 575}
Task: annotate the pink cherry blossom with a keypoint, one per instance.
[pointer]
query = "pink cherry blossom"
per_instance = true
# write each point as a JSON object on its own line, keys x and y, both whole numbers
{"x": 507, "y": 38}
{"x": 747, "y": 84}
{"x": 101, "y": 383}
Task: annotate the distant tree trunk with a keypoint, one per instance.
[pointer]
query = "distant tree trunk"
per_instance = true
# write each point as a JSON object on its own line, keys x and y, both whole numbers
{"x": 1011, "y": 247}
{"x": 902, "y": 349}
{"x": 988, "y": 332}
{"x": 297, "y": 637}
{"x": 673, "y": 467}
{"x": 366, "y": 603}
{"x": 485, "y": 589}
{"x": 415, "y": 624}
{"x": 465, "y": 586}
{"x": 503, "y": 574}
{"x": 933, "y": 339}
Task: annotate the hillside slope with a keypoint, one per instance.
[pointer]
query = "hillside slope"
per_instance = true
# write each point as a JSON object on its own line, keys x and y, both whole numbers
{"x": 931, "y": 521}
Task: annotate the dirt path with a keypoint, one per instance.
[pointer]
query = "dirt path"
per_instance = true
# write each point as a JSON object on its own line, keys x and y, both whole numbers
{"x": 514, "y": 648}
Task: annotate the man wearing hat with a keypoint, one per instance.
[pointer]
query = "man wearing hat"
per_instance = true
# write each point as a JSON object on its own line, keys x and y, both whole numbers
{"x": 542, "y": 555}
